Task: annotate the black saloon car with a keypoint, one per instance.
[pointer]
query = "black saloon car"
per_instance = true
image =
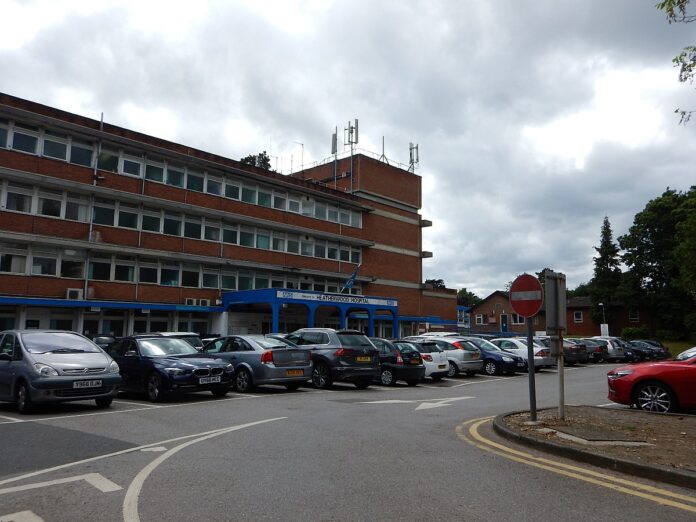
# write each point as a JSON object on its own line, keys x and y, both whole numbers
{"x": 399, "y": 363}
{"x": 160, "y": 366}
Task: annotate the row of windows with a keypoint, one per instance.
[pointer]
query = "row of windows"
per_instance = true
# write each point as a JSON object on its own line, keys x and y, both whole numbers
{"x": 67, "y": 263}
{"x": 44, "y": 142}
{"x": 18, "y": 197}
{"x": 482, "y": 319}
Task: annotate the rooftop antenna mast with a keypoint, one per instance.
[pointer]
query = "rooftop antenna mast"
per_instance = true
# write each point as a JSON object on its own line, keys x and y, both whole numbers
{"x": 350, "y": 137}
{"x": 383, "y": 157}
{"x": 334, "y": 151}
{"x": 413, "y": 157}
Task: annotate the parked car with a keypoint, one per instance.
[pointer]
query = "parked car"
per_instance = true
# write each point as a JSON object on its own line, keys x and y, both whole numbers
{"x": 103, "y": 341}
{"x": 495, "y": 360}
{"x": 573, "y": 353}
{"x": 663, "y": 352}
{"x": 518, "y": 346}
{"x": 160, "y": 366}
{"x": 461, "y": 357}
{"x": 661, "y": 387}
{"x": 54, "y": 366}
{"x": 643, "y": 351}
{"x": 615, "y": 348}
{"x": 259, "y": 360}
{"x": 596, "y": 351}
{"x": 190, "y": 337}
{"x": 339, "y": 355}
{"x": 399, "y": 363}
{"x": 434, "y": 359}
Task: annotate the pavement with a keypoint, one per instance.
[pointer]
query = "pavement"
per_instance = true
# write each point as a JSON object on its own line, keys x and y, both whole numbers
{"x": 566, "y": 446}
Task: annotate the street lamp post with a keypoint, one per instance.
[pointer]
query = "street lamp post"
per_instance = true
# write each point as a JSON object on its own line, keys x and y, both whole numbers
{"x": 604, "y": 318}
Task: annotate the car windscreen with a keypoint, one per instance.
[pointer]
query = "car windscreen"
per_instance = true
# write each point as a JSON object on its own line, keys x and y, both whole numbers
{"x": 484, "y": 345}
{"x": 350, "y": 339}
{"x": 57, "y": 342}
{"x": 688, "y": 354}
{"x": 406, "y": 348}
{"x": 427, "y": 347}
{"x": 165, "y": 346}
{"x": 270, "y": 344}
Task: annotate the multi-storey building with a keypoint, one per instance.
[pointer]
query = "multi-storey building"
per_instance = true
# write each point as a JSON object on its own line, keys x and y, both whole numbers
{"x": 107, "y": 230}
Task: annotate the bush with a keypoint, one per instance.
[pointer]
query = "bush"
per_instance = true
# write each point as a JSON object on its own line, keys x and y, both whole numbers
{"x": 631, "y": 332}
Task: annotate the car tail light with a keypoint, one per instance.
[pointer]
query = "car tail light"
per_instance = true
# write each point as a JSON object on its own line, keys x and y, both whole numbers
{"x": 427, "y": 357}
{"x": 543, "y": 353}
{"x": 399, "y": 359}
{"x": 342, "y": 352}
{"x": 458, "y": 345}
{"x": 267, "y": 357}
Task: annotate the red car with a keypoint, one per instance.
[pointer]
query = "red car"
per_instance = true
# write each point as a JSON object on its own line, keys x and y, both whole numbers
{"x": 660, "y": 386}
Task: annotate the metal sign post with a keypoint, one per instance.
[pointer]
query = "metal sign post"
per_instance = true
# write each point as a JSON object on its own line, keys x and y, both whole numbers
{"x": 556, "y": 325}
{"x": 526, "y": 298}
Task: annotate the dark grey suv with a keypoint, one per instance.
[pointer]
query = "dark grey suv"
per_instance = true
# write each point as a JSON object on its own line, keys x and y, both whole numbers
{"x": 339, "y": 355}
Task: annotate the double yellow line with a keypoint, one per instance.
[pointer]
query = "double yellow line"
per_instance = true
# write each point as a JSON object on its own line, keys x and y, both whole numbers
{"x": 661, "y": 496}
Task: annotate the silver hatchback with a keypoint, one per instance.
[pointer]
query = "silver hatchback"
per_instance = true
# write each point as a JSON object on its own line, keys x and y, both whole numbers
{"x": 54, "y": 366}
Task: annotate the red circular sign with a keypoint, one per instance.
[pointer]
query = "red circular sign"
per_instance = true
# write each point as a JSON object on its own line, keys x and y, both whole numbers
{"x": 526, "y": 295}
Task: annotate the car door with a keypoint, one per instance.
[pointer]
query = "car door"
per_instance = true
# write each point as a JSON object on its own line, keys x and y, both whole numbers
{"x": 7, "y": 366}
{"x": 512, "y": 347}
{"x": 246, "y": 354}
{"x": 126, "y": 355}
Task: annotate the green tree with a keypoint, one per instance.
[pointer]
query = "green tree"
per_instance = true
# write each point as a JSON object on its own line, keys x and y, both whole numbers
{"x": 261, "y": 160}
{"x": 607, "y": 274}
{"x": 686, "y": 247}
{"x": 582, "y": 290}
{"x": 467, "y": 298}
{"x": 436, "y": 283}
{"x": 677, "y": 12}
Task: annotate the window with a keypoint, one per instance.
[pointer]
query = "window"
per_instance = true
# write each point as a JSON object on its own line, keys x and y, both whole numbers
{"x": 100, "y": 270}
{"x": 194, "y": 181}
{"x": 77, "y": 208}
{"x": 306, "y": 284}
{"x": 210, "y": 280}
{"x": 3, "y": 133}
{"x": 213, "y": 186}
{"x": 246, "y": 281}
{"x": 319, "y": 287}
{"x": 263, "y": 239}
{"x": 229, "y": 234}
{"x": 13, "y": 263}
{"x": 279, "y": 201}
{"x": 50, "y": 203}
{"x": 264, "y": 199}
{"x": 151, "y": 220}
{"x": 127, "y": 216}
{"x": 108, "y": 160}
{"x": 190, "y": 276}
{"x": 261, "y": 281}
{"x": 344, "y": 253}
{"x": 517, "y": 319}
{"x": 175, "y": 176}
{"x": 154, "y": 172}
{"x": 320, "y": 249}
{"x": 231, "y": 190}
{"x": 277, "y": 283}
{"x": 147, "y": 274}
{"x": 132, "y": 164}
{"x": 294, "y": 205}
{"x": 355, "y": 256}
{"x": 169, "y": 276}
{"x": 356, "y": 219}
{"x": 19, "y": 197}
{"x": 320, "y": 210}
{"x": 307, "y": 208}
{"x": 55, "y": 145}
{"x": 81, "y": 154}
{"x": 192, "y": 228}
{"x": 212, "y": 231}
{"x": 124, "y": 272}
{"x": 228, "y": 281}
{"x": 577, "y": 316}
{"x": 306, "y": 247}
{"x": 172, "y": 224}
{"x": 246, "y": 237}
{"x": 103, "y": 212}
{"x": 479, "y": 319}
{"x": 293, "y": 244}
{"x": 332, "y": 251}
{"x": 278, "y": 242}
{"x": 344, "y": 217}
{"x": 333, "y": 214}
{"x": 633, "y": 316}
{"x": 249, "y": 194}
{"x": 43, "y": 265}
{"x": 25, "y": 138}
{"x": 72, "y": 264}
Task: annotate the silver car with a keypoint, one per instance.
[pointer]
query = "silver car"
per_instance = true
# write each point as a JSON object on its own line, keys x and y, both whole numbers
{"x": 261, "y": 360}
{"x": 54, "y": 366}
{"x": 461, "y": 356}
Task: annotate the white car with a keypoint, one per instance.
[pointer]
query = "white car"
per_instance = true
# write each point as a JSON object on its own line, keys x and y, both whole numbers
{"x": 434, "y": 359}
{"x": 518, "y": 346}
{"x": 461, "y": 356}
{"x": 615, "y": 348}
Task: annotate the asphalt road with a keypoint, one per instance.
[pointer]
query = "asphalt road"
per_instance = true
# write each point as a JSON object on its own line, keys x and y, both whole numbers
{"x": 395, "y": 453}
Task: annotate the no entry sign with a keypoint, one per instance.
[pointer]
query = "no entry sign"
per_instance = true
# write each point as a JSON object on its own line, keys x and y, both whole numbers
{"x": 526, "y": 295}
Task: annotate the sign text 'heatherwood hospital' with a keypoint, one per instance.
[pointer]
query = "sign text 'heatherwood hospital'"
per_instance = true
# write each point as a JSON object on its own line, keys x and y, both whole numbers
{"x": 335, "y": 298}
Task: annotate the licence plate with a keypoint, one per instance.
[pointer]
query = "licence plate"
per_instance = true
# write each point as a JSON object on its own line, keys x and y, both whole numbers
{"x": 208, "y": 380}
{"x": 415, "y": 361}
{"x": 441, "y": 366}
{"x": 294, "y": 372}
{"x": 87, "y": 384}
{"x": 520, "y": 364}
{"x": 363, "y": 358}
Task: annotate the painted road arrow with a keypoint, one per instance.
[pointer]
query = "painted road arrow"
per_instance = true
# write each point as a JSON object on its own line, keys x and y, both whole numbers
{"x": 100, "y": 482}
{"x": 426, "y": 404}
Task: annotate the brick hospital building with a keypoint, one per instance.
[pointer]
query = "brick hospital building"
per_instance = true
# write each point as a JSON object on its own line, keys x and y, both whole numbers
{"x": 107, "y": 230}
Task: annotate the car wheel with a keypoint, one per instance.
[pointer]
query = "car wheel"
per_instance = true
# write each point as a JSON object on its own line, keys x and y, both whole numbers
{"x": 292, "y": 386}
{"x": 155, "y": 388}
{"x": 387, "y": 377}
{"x": 452, "y": 371}
{"x": 23, "y": 399}
{"x": 243, "y": 382}
{"x": 361, "y": 385}
{"x": 219, "y": 392}
{"x": 655, "y": 396}
{"x": 412, "y": 382}
{"x": 104, "y": 402}
{"x": 321, "y": 376}
{"x": 490, "y": 367}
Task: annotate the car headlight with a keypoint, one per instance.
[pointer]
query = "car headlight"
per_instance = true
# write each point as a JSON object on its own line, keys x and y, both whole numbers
{"x": 507, "y": 359}
{"x": 229, "y": 368}
{"x": 174, "y": 371}
{"x": 113, "y": 367}
{"x": 45, "y": 370}
{"x": 618, "y": 374}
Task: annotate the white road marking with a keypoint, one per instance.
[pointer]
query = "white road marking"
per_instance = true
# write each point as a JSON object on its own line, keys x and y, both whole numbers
{"x": 425, "y": 404}
{"x": 119, "y": 401}
{"x": 130, "y": 503}
{"x": 440, "y": 404}
{"x": 100, "y": 482}
{"x": 10, "y": 419}
{"x": 115, "y": 454}
{"x": 21, "y": 516}
{"x": 155, "y": 449}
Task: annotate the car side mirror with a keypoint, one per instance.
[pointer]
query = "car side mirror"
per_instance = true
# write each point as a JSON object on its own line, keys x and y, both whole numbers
{"x": 5, "y": 357}
{"x": 130, "y": 353}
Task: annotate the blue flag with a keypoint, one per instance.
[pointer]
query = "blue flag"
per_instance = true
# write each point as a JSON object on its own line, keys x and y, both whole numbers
{"x": 351, "y": 279}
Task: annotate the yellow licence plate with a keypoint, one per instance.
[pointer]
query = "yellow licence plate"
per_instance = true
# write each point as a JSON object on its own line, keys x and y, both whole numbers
{"x": 441, "y": 366}
{"x": 294, "y": 372}
{"x": 363, "y": 358}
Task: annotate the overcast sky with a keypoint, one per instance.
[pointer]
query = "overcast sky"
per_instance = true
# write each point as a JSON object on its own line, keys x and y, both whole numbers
{"x": 534, "y": 118}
